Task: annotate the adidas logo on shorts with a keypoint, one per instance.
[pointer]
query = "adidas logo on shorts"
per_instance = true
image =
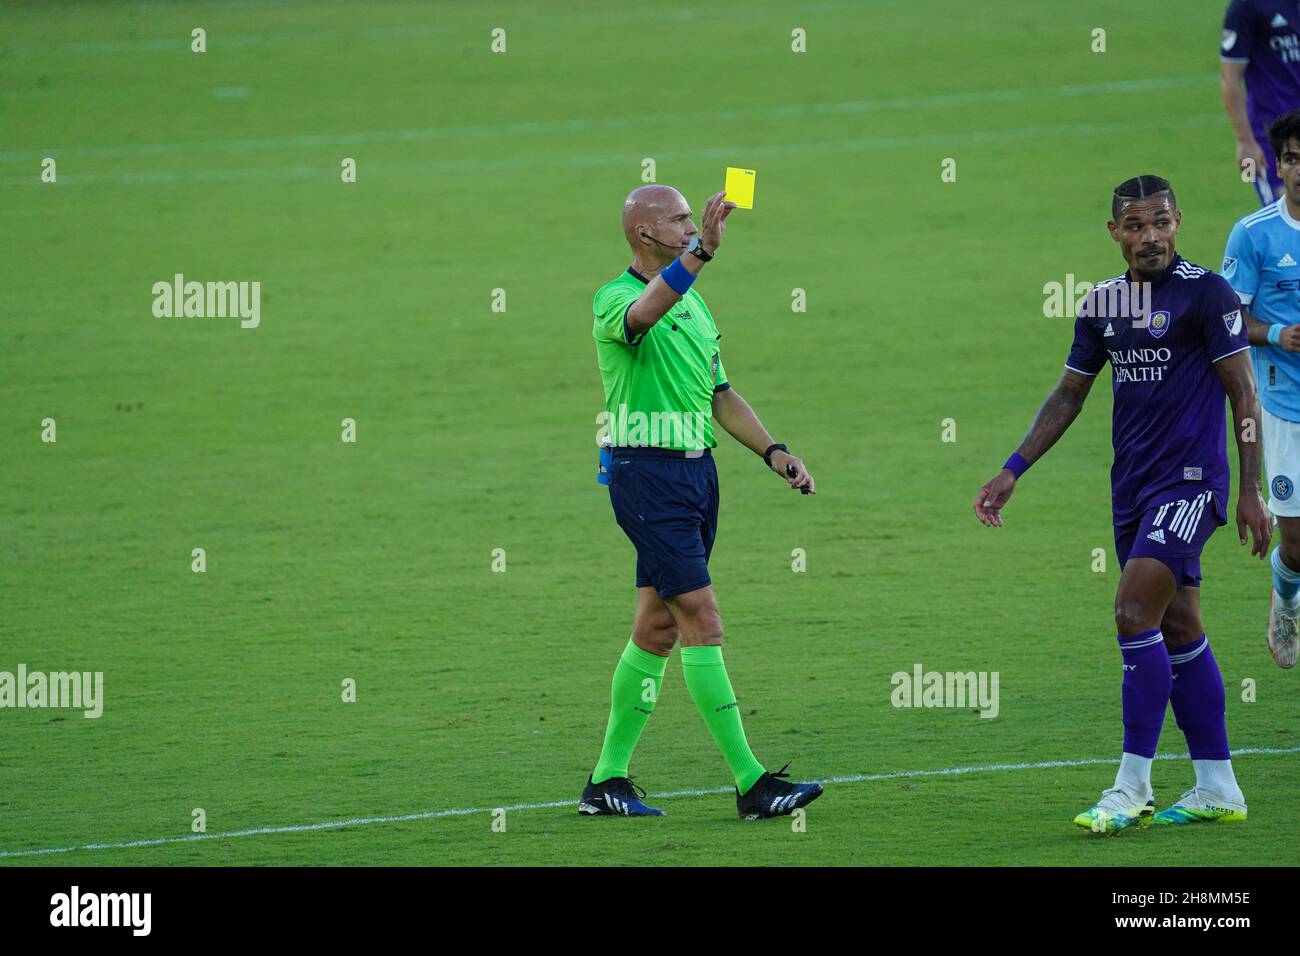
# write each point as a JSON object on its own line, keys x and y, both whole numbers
{"x": 1185, "y": 518}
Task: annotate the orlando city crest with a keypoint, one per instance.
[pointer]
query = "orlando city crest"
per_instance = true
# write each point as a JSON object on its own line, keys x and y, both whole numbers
{"x": 1159, "y": 324}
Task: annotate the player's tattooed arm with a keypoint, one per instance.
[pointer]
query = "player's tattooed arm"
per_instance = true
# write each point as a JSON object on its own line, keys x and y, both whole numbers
{"x": 1238, "y": 378}
{"x": 1057, "y": 414}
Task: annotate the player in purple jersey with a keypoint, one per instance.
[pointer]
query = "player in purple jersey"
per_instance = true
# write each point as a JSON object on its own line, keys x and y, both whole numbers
{"x": 1261, "y": 47}
{"x": 1174, "y": 336}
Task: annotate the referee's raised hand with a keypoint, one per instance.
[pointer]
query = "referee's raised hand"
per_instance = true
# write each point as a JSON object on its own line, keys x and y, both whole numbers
{"x": 716, "y": 211}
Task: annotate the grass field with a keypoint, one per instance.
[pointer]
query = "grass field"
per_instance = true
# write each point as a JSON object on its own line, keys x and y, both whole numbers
{"x": 476, "y": 429}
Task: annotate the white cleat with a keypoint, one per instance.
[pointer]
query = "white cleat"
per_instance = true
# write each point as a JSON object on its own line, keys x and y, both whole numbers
{"x": 1116, "y": 810}
{"x": 1201, "y": 806}
{"x": 1283, "y": 633}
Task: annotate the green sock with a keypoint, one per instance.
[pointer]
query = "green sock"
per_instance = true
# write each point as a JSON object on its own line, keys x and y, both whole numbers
{"x": 706, "y": 679}
{"x": 631, "y": 701}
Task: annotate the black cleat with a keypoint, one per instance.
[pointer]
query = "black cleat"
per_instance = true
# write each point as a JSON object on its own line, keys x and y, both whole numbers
{"x": 773, "y": 797}
{"x": 615, "y": 797}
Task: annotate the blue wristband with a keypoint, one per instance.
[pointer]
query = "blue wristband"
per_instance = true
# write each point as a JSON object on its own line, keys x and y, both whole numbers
{"x": 677, "y": 277}
{"x": 1017, "y": 464}
{"x": 1274, "y": 334}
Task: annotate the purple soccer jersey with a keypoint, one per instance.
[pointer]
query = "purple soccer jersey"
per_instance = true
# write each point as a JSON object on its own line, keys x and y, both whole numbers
{"x": 1263, "y": 33}
{"x": 1168, "y": 425}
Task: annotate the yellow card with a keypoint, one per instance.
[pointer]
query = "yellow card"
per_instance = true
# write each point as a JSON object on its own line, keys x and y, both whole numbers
{"x": 740, "y": 187}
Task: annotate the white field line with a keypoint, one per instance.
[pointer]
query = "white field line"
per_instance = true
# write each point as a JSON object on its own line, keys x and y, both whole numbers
{"x": 729, "y": 153}
{"x": 605, "y": 123}
{"x": 572, "y": 803}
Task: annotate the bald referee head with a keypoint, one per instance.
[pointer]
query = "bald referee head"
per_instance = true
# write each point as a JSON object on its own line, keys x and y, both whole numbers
{"x": 658, "y": 226}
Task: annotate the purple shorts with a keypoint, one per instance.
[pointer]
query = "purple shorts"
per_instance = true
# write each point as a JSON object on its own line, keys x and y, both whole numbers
{"x": 1173, "y": 532}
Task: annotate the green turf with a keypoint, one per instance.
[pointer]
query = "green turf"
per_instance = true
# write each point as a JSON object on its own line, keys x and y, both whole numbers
{"x": 476, "y": 429}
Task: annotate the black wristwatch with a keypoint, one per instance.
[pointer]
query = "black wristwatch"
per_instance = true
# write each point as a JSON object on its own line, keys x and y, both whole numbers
{"x": 696, "y": 248}
{"x": 767, "y": 455}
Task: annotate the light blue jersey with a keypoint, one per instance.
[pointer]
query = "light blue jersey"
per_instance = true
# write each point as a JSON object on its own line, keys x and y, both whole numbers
{"x": 1262, "y": 264}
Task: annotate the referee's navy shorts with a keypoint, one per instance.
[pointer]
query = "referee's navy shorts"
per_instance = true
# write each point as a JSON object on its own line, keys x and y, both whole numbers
{"x": 668, "y": 506}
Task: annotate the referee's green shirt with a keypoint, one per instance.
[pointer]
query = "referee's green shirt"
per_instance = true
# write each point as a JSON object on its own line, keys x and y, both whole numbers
{"x": 659, "y": 384}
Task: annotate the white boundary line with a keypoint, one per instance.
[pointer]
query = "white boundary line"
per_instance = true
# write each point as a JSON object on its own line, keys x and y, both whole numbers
{"x": 557, "y": 804}
{"x": 447, "y": 167}
{"x": 604, "y": 123}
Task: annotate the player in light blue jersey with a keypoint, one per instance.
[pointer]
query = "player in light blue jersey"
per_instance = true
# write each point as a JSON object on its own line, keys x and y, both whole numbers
{"x": 1262, "y": 263}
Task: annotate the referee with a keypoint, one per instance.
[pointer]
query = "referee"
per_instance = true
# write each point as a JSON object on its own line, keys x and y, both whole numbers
{"x": 664, "y": 381}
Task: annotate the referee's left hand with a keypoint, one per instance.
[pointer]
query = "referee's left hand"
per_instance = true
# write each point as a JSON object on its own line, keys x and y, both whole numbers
{"x": 800, "y": 478}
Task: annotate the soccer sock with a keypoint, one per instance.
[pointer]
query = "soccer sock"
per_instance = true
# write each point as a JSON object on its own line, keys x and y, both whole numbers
{"x": 1285, "y": 581}
{"x": 1134, "y": 776}
{"x": 1217, "y": 777}
{"x": 1199, "y": 707}
{"x": 631, "y": 701}
{"x": 1145, "y": 696}
{"x": 710, "y": 688}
